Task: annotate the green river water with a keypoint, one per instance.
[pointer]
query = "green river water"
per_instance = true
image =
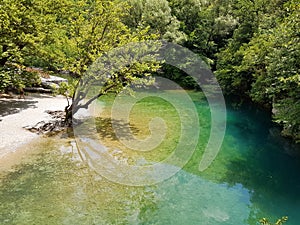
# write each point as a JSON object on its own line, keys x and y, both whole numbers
{"x": 253, "y": 176}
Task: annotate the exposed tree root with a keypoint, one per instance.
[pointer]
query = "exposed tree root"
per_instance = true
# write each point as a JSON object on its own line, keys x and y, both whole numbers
{"x": 51, "y": 127}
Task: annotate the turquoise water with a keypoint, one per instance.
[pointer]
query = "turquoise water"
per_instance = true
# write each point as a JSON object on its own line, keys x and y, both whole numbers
{"x": 253, "y": 176}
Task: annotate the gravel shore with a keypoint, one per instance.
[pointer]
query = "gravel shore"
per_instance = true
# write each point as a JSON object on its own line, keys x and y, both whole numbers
{"x": 17, "y": 113}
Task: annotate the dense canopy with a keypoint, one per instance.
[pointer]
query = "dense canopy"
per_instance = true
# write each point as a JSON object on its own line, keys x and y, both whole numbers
{"x": 253, "y": 46}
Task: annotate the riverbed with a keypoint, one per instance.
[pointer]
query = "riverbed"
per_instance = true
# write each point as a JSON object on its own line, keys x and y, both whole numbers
{"x": 255, "y": 175}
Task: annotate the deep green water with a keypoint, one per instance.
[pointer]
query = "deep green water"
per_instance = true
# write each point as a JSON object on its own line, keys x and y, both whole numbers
{"x": 252, "y": 177}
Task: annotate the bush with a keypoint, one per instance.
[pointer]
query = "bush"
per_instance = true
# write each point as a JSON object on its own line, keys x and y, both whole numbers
{"x": 13, "y": 77}
{"x": 5, "y": 79}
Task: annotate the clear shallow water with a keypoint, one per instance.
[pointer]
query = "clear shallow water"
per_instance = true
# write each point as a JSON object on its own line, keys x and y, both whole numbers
{"x": 252, "y": 177}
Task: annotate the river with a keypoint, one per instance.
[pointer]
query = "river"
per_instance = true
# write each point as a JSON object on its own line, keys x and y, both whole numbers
{"x": 255, "y": 175}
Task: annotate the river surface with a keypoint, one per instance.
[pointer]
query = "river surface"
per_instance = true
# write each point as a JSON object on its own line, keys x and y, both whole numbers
{"x": 255, "y": 175}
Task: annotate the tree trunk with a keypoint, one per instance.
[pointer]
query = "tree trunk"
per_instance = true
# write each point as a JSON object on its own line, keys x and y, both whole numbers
{"x": 75, "y": 106}
{"x": 69, "y": 116}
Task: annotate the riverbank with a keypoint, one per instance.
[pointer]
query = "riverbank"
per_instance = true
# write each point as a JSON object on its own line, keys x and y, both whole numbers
{"x": 17, "y": 113}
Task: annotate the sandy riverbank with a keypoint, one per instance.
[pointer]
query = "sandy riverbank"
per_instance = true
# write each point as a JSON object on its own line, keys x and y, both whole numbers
{"x": 16, "y": 113}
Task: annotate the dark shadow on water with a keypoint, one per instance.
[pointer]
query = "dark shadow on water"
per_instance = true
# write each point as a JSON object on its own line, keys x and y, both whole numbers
{"x": 269, "y": 162}
{"x": 268, "y": 172}
{"x": 12, "y": 106}
{"x": 273, "y": 180}
{"x": 268, "y": 165}
{"x": 106, "y": 130}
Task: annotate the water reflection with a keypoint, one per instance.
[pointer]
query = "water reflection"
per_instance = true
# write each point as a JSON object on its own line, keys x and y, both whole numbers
{"x": 261, "y": 160}
{"x": 57, "y": 188}
{"x": 252, "y": 177}
{"x": 190, "y": 199}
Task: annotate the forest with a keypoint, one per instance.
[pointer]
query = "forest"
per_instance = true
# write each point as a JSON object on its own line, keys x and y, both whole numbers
{"x": 252, "y": 46}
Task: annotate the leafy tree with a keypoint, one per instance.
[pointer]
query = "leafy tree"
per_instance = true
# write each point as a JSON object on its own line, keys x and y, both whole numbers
{"x": 207, "y": 25}
{"x": 89, "y": 29}
{"x": 246, "y": 52}
{"x": 270, "y": 69}
{"x": 229, "y": 59}
{"x": 17, "y": 29}
{"x": 67, "y": 35}
{"x": 260, "y": 61}
{"x": 16, "y": 78}
{"x": 252, "y": 44}
{"x": 23, "y": 25}
{"x": 284, "y": 66}
{"x": 155, "y": 14}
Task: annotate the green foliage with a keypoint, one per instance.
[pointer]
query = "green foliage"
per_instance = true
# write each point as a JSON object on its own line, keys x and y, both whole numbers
{"x": 5, "y": 77}
{"x": 67, "y": 89}
{"x": 93, "y": 27}
{"x": 14, "y": 77}
{"x": 157, "y": 16}
{"x": 207, "y": 24}
{"x": 24, "y": 24}
{"x": 281, "y": 221}
{"x": 261, "y": 60}
{"x": 253, "y": 45}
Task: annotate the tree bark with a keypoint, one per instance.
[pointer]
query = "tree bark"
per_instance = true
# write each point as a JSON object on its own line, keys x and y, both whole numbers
{"x": 69, "y": 116}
